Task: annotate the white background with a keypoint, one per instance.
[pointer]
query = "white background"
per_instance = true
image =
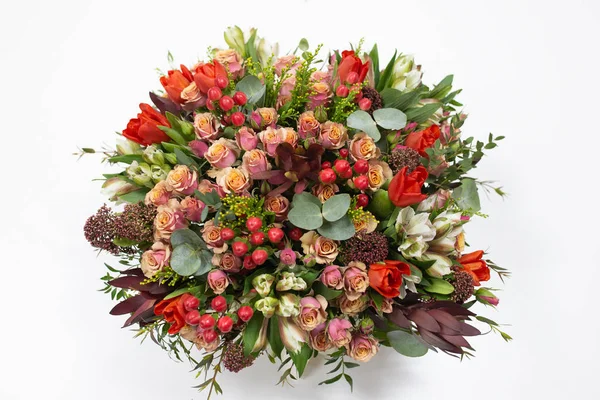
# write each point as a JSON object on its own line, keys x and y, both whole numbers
{"x": 74, "y": 72}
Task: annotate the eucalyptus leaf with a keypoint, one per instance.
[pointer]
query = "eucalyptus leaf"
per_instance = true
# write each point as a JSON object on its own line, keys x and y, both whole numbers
{"x": 306, "y": 197}
{"x": 336, "y": 207}
{"x": 466, "y": 195}
{"x": 406, "y": 344}
{"x": 341, "y": 229}
{"x": 185, "y": 260}
{"x": 439, "y": 286}
{"x": 206, "y": 263}
{"x": 186, "y": 236}
{"x": 252, "y": 87}
{"x": 306, "y": 215}
{"x": 390, "y": 118}
{"x": 362, "y": 121}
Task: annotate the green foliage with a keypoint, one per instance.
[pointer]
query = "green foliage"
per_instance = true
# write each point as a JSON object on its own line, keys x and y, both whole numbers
{"x": 466, "y": 195}
{"x": 252, "y": 331}
{"x": 342, "y": 229}
{"x": 252, "y": 87}
{"x": 338, "y": 357}
{"x": 134, "y": 197}
{"x": 439, "y": 286}
{"x": 336, "y": 207}
{"x": 326, "y": 292}
{"x": 390, "y": 118}
{"x": 387, "y": 118}
{"x": 386, "y": 76}
{"x": 406, "y": 344}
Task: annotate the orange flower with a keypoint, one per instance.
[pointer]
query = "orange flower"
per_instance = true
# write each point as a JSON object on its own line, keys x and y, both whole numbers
{"x": 207, "y": 74}
{"x": 475, "y": 266}
{"x": 422, "y": 140}
{"x": 174, "y": 312}
{"x": 144, "y": 129}
{"x": 349, "y": 63}
{"x": 175, "y": 82}
{"x": 405, "y": 189}
{"x": 386, "y": 278}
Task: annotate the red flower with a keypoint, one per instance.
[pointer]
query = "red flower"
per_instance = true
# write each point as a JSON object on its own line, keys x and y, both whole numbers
{"x": 174, "y": 312}
{"x": 386, "y": 278}
{"x": 422, "y": 140}
{"x": 351, "y": 63}
{"x": 405, "y": 189}
{"x": 144, "y": 129}
{"x": 206, "y": 75}
{"x": 475, "y": 266}
{"x": 175, "y": 82}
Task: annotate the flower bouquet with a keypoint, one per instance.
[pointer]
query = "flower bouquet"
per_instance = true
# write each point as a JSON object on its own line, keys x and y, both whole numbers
{"x": 293, "y": 206}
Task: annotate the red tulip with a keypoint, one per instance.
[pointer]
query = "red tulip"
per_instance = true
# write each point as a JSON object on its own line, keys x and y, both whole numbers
{"x": 405, "y": 189}
{"x": 175, "y": 81}
{"x": 206, "y": 75}
{"x": 351, "y": 63}
{"x": 144, "y": 129}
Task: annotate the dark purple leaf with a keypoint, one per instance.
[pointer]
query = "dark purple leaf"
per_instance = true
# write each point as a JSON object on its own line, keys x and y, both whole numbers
{"x": 128, "y": 306}
{"x": 468, "y": 330}
{"x": 438, "y": 342}
{"x": 267, "y": 174}
{"x": 422, "y": 319}
{"x": 133, "y": 271}
{"x": 398, "y": 318}
{"x": 458, "y": 341}
{"x": 146, "y": 305}
{"x": 128, "y": 282}
{"x": 445, "y": 319}
{"x": 164, "y": 104}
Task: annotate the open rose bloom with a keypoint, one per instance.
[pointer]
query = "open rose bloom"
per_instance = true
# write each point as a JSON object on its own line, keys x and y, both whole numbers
{"x": 275, "y": 205}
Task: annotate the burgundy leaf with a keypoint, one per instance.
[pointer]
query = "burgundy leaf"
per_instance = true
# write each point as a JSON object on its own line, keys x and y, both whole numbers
{"x": 157, "y": 288}
{"x": 300, "y": 186}
{"x": 146, "y": 305}
{"x": 458, "y": 341}
{"x": 451, "y": 308}
{"x": 164, "y": 104}
{"x": 281, "y": 189}
{"x": 438, "y": 342}
{"x": 267, "y": 174}
{"x": 422, "y": 319}
{"x": 468, "y": 330}
{"x": 445, "y": 319}
{"x": 133, "y": 271}
{"x": 128, "y": 282}
{"x": 398, "y": 318}
{"x": 128, "y": 305}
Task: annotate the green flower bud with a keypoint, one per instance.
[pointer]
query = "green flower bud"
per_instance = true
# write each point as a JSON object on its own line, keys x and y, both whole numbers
{"x": 321, "y": 114}
{"x": 234, "y": 37}
{"x": 262, "y": 283}
{"x": 159, "y": 173}
{"x": 141, "y": 174}
{"x": 289, "y": 305}
{"x": 126, "y": 146}
{"x": 267, "y": 306}
{"x": 289, "y": 281}
{"x": 406, "y": 75}
{"x": 153, "y": 156}
{"x": 171, "y": 158}
{"x": 366, "y": 326}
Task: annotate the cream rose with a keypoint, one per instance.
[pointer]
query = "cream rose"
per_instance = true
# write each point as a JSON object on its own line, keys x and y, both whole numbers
{"x": 182, "y": 180}
{"x": 155, "y": 259}
{"x": 356, "y": 280}
{"x": 312, "y": 312}
{"x": 323, "y": 249}
{"x": 352, "y": 307}
{"x": 279, "y": 205}
{"x": 159, "y": 195}
{"x": 234, "y": 180}
{"x": 333, "y": 135}
{"x": 211, "y": 234}
{"x": 206, "y": 126}
{"x": 168, "y": 218}
{"x": 379, "y": 173}
{"x": 222, "y": 153}
{"x": 255, "y": 161}
{"x": 325, "y": 190}
{"x": 362, "y": 147}
{"x": 362, "y": 347}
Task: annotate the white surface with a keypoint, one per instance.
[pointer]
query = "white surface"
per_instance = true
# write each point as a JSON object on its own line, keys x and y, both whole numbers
{"x": 74, "y": 72}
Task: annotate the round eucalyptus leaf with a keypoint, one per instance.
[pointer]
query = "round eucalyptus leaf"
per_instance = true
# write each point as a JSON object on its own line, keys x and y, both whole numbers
{"x": 336, "y": 207}
{"x": 183, "y": 236}
{"x": 390, "y": 118}
{"x": 362, "y": 121}
{"x": 306, "y": 215}
{"x": 185, "y": 260}
{"x": 306, "y": 197}
{"x": 406, "y": 344}
{"x": 252, "y": 87}
{"x": 341, "y": 229}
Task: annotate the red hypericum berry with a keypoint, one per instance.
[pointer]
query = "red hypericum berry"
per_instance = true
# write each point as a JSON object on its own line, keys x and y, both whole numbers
{"x": 214, "y": 93}
{"x": 295, "y": 234}
{"x": 341, "y": 166}
{"x": 239, "y": 248}
{"x": 207, "y": 321}
{"x": 253, "y": 224}
{"x": 259, "y": 256}
{"x": 210, "y": 335}
{"x": 344, "y": 153}
{"x": 226, "y": 103}
{"x": 222, "y": 82}
{"x": 210, "y": 105}
{"x": 361, "y": 182}
{"x": 347, "y": 174}
{"x": 361, "y": 167}
{"x": 248, "y": 263}
{"x": 219, "y": 304}
{"x": 238, "y": 118}
{"x": 275, "y": 235}
{"x": 227, "y": 234}
{"x": 225, "y": 324}
{"x": 352, "y": 78}
{"x": 240, "y": 98}
{"x": 245, "y": 313}
{"x": 342, "y": 91}
{"x": 192, "y": 317}
{"x": 190, "y": 302}
{"x": 257, "y": 238}
{"x": 325, "y": 164}
{"x": 362, "y": 200}
{"x": 327, "y": 175}
{"x": 364, "y": 104}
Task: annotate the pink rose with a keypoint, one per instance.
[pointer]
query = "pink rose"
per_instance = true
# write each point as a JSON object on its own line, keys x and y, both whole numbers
{"x": 217, "y": 280}
{"x": 222, "y": 153}
{"x": 333, "y": 135}
{"x": 319, "y": 340}
{"x": 288, "y": 135}
{"x": 206, "y": 126}
{"x": 291, "y": 62}
{"x": 352, "y": 306}
{"x": 211, "y": 234}
{"x": 325, "y": 190}
{"x": 362, "y": 147}
{"x": 236, "y": 180}
{"x": 321, "y": 90}
{"x": 168, "y": 219}
{"x": 362, "y": 347}
{"x": 263, "y": 118}
{"x": 270, "y": 139}
{"x": 279, "y": 205}
{"x": 308, "y": 126}
{"x": 246, "y": 138}
{"x": 159, "y": 195}
{"x": 323, "y": 249}
{"x": 312, "y": 312}
{"x": 155, "y": 259}
{"x": 387, "y": 305}
{"x": 227, "y": 262}
{"x": 288, "y": 256}
{"x": 206, "y": 186}
{"x": 338, "y": 330}
{"x": 193, "y": 97}
{"x": 285, "y": 93}
{"x": 492, "y": 300}
{"x": 232, "y": 61}
{"x": 182, "y": 180}
{"x": 192, "y": 208}
{"x": 332, "y": 277}
{"x": 255, "y": 161}
{"x": 198, "y": 147}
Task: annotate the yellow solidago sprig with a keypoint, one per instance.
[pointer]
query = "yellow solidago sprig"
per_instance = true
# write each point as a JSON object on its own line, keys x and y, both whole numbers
{"x": 362, "y": 220}
{"x": 237, "y": 209}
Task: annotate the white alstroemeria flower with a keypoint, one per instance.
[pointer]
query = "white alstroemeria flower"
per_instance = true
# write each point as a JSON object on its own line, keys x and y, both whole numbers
{"x": 441, "y": 266}
{"x": 412, "y": 224}
{"x": 445, "y": 222}
{"x": 413, "y": 247}
{"x": 291, "y": 335}
{"x": 289, "y": 305}
{"x": 448, "y": 243}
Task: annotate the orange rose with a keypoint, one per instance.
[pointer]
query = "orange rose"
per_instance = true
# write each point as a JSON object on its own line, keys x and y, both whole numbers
{"x": 405, "y": 189}
{"x": 386, "y": 278}
{"x": 475, "y": 266}
{"x": 422, "y": 140}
